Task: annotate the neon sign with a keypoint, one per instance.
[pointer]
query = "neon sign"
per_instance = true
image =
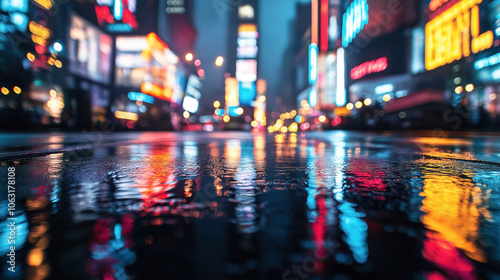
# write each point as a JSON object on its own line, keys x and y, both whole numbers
{"x": 454, "y": 34}
{"x": 355, "y": 19}
{"x": 313, "y": 63}
{"x": 116, "y": 15}
{"x": 487, "y": 61}
{"x": 369, "y": 67}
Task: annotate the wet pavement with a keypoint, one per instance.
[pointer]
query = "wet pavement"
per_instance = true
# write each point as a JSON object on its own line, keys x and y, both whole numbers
{"x": 326, "y": 205}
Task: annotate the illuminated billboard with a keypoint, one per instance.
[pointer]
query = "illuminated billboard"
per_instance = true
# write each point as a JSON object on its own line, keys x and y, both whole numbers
{"x": 247, "y": 94}
{"x": 367, "y": 19}
{"x": 246, "y": 70}
{"x": 131, "y": 67}
{"x": 89, "y": 51}
{"x": 454, "y": 34}
{"x": 355, "y": 19}
{"x": 116, "y": 15}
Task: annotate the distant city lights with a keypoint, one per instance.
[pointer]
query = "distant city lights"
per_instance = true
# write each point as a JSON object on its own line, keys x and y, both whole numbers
{"x": 189, "y": 57}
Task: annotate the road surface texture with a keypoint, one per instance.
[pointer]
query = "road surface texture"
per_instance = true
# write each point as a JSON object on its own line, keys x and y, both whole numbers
{"x": 325, "y": 205}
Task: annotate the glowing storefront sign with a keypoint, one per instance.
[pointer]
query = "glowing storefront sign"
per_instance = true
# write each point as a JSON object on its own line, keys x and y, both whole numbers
{"x": 355, "y": 18}
{"x": 313, "y": 63}
{"x": 369, "y": 67}
{"x": 454, "y": 34}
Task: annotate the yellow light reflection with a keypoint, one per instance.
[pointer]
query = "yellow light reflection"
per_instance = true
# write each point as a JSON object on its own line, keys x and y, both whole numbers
{"x": 451, "y": 206}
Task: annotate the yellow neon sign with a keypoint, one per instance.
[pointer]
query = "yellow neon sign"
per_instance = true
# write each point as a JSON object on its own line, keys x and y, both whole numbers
{"x": 40, "y": 30}
{"x": 46, "y": 4}
{"x": 454, "y": 34}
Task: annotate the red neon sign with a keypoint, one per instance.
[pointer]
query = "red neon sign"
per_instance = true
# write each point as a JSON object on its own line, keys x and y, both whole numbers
{"x": 369, "y": 67}
{"x": 105, "y": 16}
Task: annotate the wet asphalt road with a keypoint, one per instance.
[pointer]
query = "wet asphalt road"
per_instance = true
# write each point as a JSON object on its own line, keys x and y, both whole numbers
{"x": 325, "y": 205}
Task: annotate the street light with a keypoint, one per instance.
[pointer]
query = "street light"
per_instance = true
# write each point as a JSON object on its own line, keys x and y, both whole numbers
{"x": 189, "y": 57}
{"x": 216, "y": 104}
{"x": 219, "y": 61}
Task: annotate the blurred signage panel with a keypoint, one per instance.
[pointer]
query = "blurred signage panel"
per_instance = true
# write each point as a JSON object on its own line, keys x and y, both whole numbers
{"x": 246, "y": 12}
{"x": 488, "y": 75}
{"x": 369, "y": 67}
{"x": 193, "y": 87}
{"x": 247, "y": 94}
{"x": 333, "y": 21}
{"x": 247, "y": 52}
{"x": 162, "y": 79}
{"x": 313, "y": 63}
{"x": 324, "y": 25}
{"x": 493, "y": 16}
{"x": 190, "y": 104}
{"x": 340, "y": 93}
{"x": 248, "y": 30}
{"x": 89, "y": 50}
{"x": 331, "y": 78}
{"x": 232, "y": 92}
{"x": 45, "y": 4}
{"x": 130, "y": 67}
{"x": 116, "y": 15}
{"x": 246, "y": 70}
{"x": 261, "y": 86}
{"x": 487, "y": 61}
{"x": 131, "y": 43}
{"x": 100, "y": 96}
{"x": 176, "y": 7}
{"x": 14, "y": 6}
{"x": 139, "y": 96}
{"x": 454, "y": 34}
{"x": 233, "y": 111}
{"x": 417, "y": 50}
{"x": 355, "y": 19}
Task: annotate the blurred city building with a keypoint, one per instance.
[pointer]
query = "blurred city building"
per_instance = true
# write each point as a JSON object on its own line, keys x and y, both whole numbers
{"x": 82, "y": 64}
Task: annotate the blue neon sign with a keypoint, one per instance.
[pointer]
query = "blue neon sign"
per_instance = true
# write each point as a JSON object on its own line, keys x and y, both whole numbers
{"x": 118, "y": 10}
{"x": 355, "y": 19}
{"x": 487, "y": 61}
